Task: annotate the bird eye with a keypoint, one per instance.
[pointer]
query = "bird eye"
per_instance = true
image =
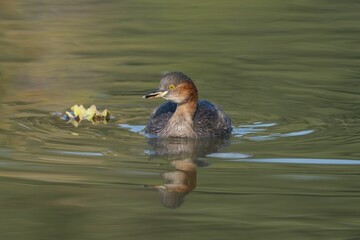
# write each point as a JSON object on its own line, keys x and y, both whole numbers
{"x": 171, "y": 87}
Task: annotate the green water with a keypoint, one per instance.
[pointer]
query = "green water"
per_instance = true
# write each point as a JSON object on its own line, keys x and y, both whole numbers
{"x": 286, "y": 72}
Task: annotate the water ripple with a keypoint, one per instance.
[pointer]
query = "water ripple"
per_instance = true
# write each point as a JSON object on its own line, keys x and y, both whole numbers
{"x": 229, "y": 155}
{"x": 257, "y": 127}
{"x": 133, "y": 128}
{"x": 300, "y": 161}
{"x": 279, "y": 135}
{"x": 78, "y": 153}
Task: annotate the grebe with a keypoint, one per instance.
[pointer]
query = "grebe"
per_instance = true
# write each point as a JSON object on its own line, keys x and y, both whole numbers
{"x": 183, "y": 115}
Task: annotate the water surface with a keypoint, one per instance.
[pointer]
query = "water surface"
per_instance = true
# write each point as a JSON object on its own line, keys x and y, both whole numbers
{"x": 286, "y": 73}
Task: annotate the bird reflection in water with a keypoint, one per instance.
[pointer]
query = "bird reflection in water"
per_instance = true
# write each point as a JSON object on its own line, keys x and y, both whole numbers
{"x": 183, "y": 155}
{"x": 178, "y": 183}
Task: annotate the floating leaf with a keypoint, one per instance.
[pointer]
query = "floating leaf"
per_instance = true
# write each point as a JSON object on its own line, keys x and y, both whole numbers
{"x": 69, "y": 114}
{"x": 105, "y": 113}
{"x": 79, "y": 113}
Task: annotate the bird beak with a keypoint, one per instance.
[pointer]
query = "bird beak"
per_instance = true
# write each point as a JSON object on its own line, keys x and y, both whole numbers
{"x": 156, "y": 94}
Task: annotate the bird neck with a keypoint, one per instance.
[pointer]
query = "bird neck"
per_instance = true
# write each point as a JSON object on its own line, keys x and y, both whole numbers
{"x": 187, "y": 109}
{"x": 181, "y": 123}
